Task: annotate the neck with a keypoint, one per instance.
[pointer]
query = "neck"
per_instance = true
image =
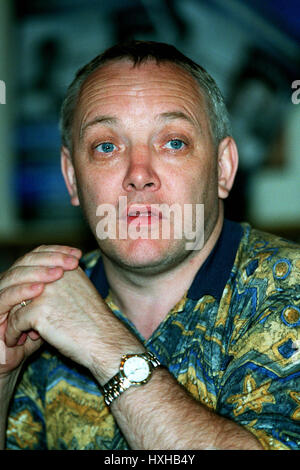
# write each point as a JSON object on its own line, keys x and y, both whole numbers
{"x": 146, "y": 299}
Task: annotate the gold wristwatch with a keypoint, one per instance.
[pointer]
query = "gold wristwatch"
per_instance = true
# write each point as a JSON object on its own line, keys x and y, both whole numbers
{"x": 135, "y": 369}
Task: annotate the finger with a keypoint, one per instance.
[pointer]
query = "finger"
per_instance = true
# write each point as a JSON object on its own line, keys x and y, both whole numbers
{"x": 14, "y": 295}
{"x": 48, "y": 258}
{"x": 27, "y": 338}
{"x": 34, "y": 335}
{"x": 22, "y": 339}
{"x": 30, "y": 274}
{"x": 68, "y": 250}
{"x": 18, "y": 324}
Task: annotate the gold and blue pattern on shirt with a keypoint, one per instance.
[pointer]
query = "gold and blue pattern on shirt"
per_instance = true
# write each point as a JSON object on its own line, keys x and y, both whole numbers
{"x": 237, "y": 352}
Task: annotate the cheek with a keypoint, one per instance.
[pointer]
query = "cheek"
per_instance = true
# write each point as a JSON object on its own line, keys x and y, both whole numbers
{"x": 90, "y": 196}
{"x": 95, "y": 188}
{"x": 190, "y": 182}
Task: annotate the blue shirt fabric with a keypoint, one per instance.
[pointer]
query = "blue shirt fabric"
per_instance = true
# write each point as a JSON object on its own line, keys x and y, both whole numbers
{"x": 231, "y": 341}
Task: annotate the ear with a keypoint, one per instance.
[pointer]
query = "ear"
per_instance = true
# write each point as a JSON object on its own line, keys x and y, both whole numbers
{"x": 227, "y": 166}
{"x": 68, "y": 172}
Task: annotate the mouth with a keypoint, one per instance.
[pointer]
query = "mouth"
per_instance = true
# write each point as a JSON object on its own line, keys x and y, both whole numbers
{"x": 143, "y": 214}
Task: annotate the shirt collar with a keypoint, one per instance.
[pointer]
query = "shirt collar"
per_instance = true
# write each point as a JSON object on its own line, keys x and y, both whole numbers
{"x": 211, "y": 277}
{"x": 215, "y": 271}
{"x": 98, "y": 278}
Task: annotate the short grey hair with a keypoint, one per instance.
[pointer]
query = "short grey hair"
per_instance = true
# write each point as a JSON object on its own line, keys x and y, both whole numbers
{"x": 140, "y": 52}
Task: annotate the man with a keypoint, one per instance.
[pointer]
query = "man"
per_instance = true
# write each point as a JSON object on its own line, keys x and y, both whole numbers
{"x": 205, "y": 333}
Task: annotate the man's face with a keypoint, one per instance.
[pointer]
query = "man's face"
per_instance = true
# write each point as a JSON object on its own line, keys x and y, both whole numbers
{"x": 143, "y": 132}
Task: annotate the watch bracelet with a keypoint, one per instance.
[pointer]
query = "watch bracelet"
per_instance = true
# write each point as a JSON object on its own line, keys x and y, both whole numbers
{"x": 114, "y": 387}
{"x": 118, "y": 383}
{"x": 153, "y": 359}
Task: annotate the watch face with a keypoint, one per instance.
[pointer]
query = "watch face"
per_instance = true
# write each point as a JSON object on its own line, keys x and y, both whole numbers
{"x": 136, "y": 369}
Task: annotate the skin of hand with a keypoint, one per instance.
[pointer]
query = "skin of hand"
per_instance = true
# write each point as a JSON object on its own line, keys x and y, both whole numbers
{"x": 26, "y": 280}
{"x": 71, "y": 316}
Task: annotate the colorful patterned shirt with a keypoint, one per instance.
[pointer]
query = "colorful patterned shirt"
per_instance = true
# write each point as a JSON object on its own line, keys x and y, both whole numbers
{"x": 231, "y": 342}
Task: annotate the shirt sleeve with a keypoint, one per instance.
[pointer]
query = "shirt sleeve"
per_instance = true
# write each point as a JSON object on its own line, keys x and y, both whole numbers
{"x": 261, "y": 387}
{"x": 26, "y": 424}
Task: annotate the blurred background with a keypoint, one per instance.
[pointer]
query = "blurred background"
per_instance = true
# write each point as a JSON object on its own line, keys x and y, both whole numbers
{"x": 251, "y": 47}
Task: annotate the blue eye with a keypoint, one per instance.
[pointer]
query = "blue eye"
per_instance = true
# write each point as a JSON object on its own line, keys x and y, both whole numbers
{"x": 175, "y": 144}
{"x": 106, "y": 147}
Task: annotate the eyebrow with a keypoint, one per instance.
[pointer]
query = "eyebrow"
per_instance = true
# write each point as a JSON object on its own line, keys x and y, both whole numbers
{"x": 113, "y": 121}
{"x": 104, "y": 120}
{"x": 173, "y": 115}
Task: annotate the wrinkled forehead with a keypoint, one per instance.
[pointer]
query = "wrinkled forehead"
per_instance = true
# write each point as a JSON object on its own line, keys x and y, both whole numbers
{"x": 122, "y": 72}
{"x": 120, "y": 81}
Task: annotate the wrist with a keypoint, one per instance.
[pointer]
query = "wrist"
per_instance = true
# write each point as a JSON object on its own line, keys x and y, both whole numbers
{"x": 112, "y": 341}
{"x": 105, "y": 358}
{"x": 135, "y": 370}
{"x": 105, "y": 366}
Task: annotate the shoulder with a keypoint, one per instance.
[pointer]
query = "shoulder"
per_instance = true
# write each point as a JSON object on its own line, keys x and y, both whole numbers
{"x": 263, "y": 294}
{"x": 266, "y": 297}
{"x": 269, "y": 257}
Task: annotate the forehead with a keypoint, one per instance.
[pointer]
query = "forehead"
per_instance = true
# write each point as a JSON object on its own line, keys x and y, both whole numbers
{"x": 120, "y": 86}
{"x": 123, "y": 72}
{"x": 146, "y": 79}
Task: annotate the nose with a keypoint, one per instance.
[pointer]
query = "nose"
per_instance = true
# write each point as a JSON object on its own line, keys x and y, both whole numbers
{"x": 140, "y": 175}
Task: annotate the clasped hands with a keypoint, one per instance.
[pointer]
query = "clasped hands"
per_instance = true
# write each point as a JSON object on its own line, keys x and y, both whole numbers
{"x": 63, "y": 308}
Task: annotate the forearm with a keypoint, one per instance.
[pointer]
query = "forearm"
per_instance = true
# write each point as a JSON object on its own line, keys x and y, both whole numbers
{"x": 162, "y": 415}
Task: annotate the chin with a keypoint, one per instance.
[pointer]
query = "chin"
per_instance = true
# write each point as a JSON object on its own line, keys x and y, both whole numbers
{"x": 151, "y": 256}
